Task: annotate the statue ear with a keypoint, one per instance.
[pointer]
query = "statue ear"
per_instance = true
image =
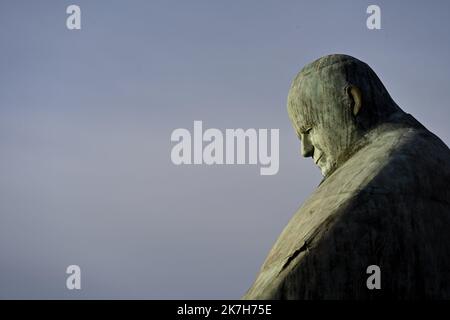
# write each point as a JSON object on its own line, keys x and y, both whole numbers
{"x": 355, "y": 96}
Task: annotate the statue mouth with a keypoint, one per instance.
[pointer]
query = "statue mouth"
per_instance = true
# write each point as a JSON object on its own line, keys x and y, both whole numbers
{"x": 318, "y": 159}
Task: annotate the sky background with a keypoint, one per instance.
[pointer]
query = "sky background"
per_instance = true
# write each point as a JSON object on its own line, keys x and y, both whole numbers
{"x": 86, "y": 117}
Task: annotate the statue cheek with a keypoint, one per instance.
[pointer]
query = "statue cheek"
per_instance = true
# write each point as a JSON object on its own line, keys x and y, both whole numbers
{"x": 317, "y": 140}
{"x": 329, "y": 141}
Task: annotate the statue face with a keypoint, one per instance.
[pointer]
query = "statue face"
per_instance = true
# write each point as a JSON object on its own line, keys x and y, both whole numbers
{"x": 322, "y": 122}
{"x": 321, "y": 143}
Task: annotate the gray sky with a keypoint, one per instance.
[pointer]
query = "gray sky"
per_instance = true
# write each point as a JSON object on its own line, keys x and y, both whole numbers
{"x": 86, "y": 118}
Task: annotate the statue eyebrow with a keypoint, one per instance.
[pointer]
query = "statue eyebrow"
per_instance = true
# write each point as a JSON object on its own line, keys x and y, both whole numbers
{"x": 305, "y": 128}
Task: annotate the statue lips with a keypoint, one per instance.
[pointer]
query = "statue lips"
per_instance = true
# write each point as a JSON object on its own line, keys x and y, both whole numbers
{"x": 318, "y": 159}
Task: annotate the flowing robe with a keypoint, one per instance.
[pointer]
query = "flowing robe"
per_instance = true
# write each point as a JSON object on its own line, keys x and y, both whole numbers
{"x": 386, "y": 205}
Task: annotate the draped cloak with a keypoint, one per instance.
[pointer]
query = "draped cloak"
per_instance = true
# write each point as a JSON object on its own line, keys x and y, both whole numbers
{"x": 386, "y": 205}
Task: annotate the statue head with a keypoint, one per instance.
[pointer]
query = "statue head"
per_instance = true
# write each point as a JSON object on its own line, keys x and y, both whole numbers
{"x": 332, "y": 103}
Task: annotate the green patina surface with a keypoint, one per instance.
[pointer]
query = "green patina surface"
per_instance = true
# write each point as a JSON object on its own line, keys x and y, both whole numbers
{"x": 384, "y": 199}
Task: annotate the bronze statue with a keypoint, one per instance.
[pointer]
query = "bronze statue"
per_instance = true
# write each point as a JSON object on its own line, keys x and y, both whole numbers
{"x": 384, "y": 199}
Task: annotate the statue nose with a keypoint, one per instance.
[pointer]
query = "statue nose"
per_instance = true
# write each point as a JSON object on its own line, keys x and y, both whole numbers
{"x": 307, "y": 149}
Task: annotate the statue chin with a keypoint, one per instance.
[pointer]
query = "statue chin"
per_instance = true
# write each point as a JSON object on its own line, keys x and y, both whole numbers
{"x": 325, "y": 168}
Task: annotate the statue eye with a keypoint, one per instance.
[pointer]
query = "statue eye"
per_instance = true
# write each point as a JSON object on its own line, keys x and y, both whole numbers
{"x": 306, "y": 131}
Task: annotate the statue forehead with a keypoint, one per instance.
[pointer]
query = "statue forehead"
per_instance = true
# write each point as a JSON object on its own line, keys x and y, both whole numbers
{"x": 310, "y": 88}
{"x": 303, "y": 99}
{"x": 326, "y": 71}
{"x": 320, "y": 80}
{"x": 315, "y": 85}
